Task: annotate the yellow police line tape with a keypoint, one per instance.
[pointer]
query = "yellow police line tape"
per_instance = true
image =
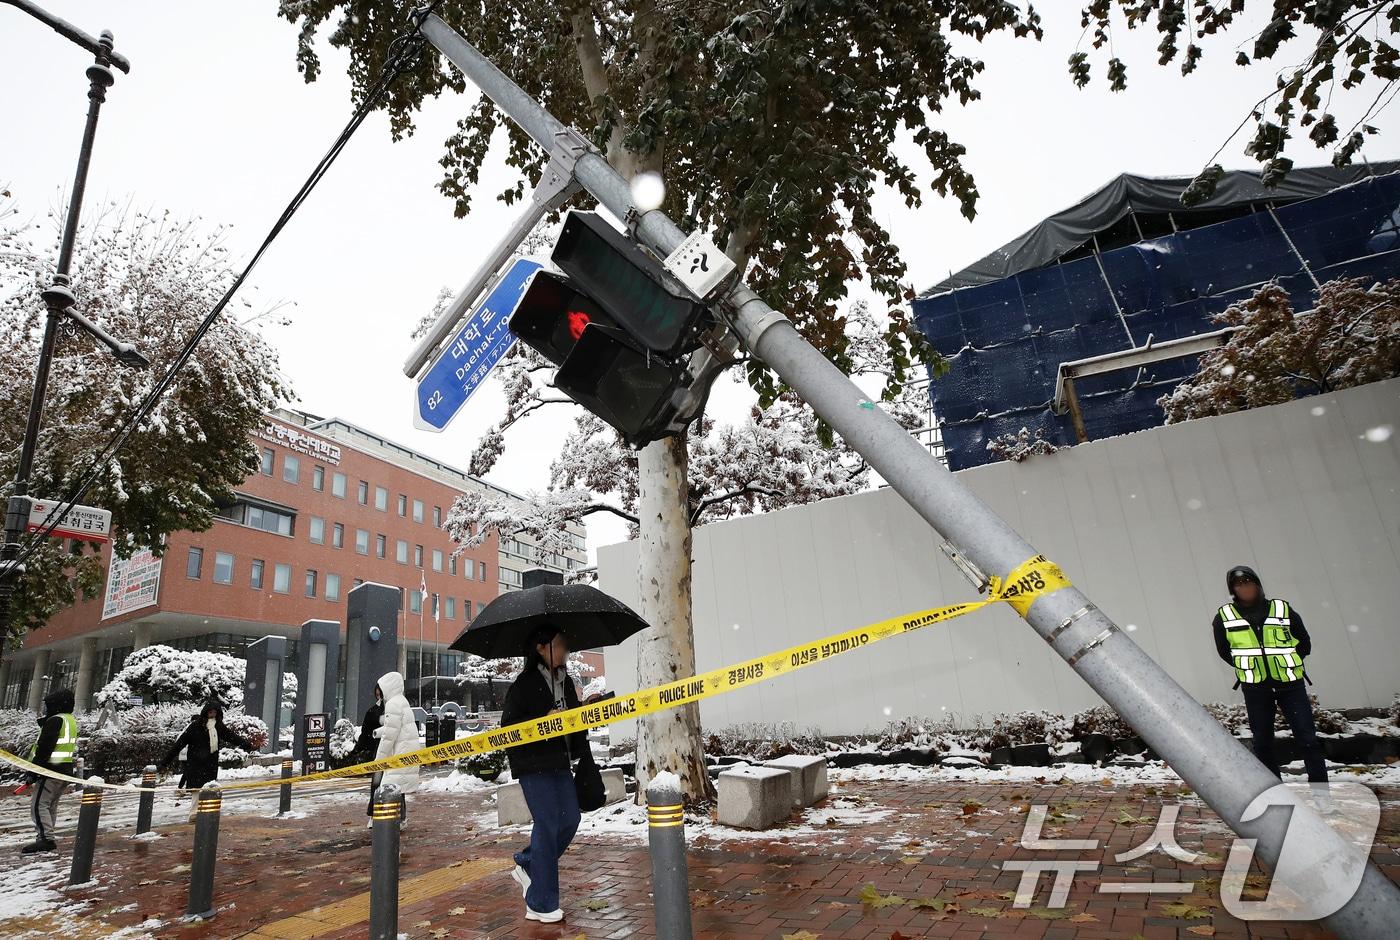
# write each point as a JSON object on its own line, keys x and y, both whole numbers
{"x": 1020, "y": 589}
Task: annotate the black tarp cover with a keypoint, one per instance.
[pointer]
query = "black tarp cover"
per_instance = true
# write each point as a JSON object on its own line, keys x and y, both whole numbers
{"x": 1065, "y": 231}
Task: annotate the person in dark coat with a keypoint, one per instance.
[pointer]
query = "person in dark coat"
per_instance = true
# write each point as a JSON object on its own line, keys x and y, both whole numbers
{"x": 543, "y": 770}
{"x": 54, "y": 749}
{"x": 202, "y": 739}
{"x": 366, "y": 745}
{"x": 1266, "y": 642}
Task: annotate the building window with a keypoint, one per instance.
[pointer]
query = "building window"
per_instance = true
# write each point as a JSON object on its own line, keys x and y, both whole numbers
{"x": 318, "y": 531}
{"x": 451, "y": 564}
{"x": 415, "y": 601}
{"x": 310, "y": 582}
{"x": 466, "y": 609}
{"x": 255, "y": 580}
{"x": 194, "y": 562}
{"x": 269, "y": 458}
{"x": 483, "y": 571}
{"x": 468, "y": 569}
{"x": 510, "y": 577}
{"x": 291, "y": 469}
{"x": 268, "y": 520}
{"x": 381, "y": 544}
{"x": 338, "y": 535}
{"x": 361, "y": 542}
{"x": 282, "y": 579}
{"x": 318, "y": 478}
{"x": 450, "y": 608}
{"x": 338, "y": 485}
{"x": 403, "y": 505}
{"x": 223, "y": 568}
{"x": 381, "y": 499}
{"x": 437, "y": 517}
{"x": 332, "y": 587}
{"x": 363, "y": 495}
{"x": 401, "y": 552}
{"x": 418, "y": 556}
{"x": 417, "y": 510}
{"x": 437, "y": 559}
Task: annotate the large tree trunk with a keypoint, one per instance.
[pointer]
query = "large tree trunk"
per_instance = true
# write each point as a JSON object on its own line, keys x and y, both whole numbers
{"x": 669, "y": 740}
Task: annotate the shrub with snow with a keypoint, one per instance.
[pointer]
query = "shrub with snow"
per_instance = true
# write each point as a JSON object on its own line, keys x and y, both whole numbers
{"x": 1101, "y": 719}
{"x": 1017, "y": 447}
{"x": 289, "y": 691}
{"x": 761, "y": 742}
{"x": 1395, "y": 709}
{"x": 166, "y": 674}
{"x": 343, "y": 737}
{"x": 18, "y": 730}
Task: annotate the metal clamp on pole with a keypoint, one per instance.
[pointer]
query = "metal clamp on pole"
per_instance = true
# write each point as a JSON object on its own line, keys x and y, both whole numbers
{"x": 965, "y": 567}
{"x": 206, "y": 845}
{"x": 669, "y": 880}
{"x": 284, "y": 798}
{"x": 86, "y": 840}
{"x": 146, "y": 803}
{"x": 385, "y": 817}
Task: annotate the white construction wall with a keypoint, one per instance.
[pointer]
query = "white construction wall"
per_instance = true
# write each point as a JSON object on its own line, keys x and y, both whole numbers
{"x": 1308, "y": 493}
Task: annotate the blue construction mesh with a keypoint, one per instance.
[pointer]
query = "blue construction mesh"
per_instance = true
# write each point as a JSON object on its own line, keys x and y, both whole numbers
{"x": 1005, "y": 340}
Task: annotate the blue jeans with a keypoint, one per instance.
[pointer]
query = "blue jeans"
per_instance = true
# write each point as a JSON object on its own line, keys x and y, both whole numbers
{"x": 553, "y": 803}
{"x": 1260, "y": 702}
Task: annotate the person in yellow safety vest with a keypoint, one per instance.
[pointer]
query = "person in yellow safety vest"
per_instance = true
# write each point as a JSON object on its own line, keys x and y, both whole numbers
{"x": 54, "y": 750}
{"x": 1265, "y": 641}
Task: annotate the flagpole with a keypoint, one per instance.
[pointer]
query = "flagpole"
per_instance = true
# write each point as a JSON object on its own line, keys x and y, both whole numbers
{"x": 422, "y": 602}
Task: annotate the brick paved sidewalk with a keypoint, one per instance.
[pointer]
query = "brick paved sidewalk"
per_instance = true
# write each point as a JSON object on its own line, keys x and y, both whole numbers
{"x": 928, "y": 855}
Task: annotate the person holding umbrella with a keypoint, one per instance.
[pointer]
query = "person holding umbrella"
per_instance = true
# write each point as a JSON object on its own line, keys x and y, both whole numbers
{"x": 545, "y": 623}
{"x": 542, "y": 769}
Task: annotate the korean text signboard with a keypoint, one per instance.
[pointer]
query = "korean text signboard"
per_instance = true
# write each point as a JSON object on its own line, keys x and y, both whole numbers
{"x": 316, "y": 743}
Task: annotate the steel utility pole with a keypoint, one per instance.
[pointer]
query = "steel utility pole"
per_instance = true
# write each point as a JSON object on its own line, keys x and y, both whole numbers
{"x": 1176, "y": 726}
{"x": 58, "y": 298}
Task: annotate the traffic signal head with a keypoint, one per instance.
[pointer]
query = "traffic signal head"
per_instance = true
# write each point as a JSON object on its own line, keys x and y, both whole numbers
{"x": 648, "y": 304}
{"x": 552, "y": 314}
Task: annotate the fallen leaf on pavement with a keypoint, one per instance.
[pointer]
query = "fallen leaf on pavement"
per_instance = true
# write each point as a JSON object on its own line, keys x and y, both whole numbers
{"x": 1083, "y": 919}
{"x": 985, "y": 911}
{"x": 457, "y": 912}
{"x": 871, "y": 897}
{"x": 801, "y": 935}
{"x": 970, "y": 807}
{"x": 911, "y": 859}
{"x": 595, "y": 904}
{"x": 1202, "y": 930}
{"x": 1184, "y": 911}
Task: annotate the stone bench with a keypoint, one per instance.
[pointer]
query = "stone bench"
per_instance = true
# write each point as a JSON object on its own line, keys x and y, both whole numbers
{"x": 510, "y": 799}
{"x": 809, "y": 777}
{"x": 755, "y": 797}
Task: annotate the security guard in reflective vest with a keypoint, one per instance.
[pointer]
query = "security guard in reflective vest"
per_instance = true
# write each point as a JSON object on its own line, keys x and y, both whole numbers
{"x": 1264, "y": 640}
{"x": 54, "y": 750}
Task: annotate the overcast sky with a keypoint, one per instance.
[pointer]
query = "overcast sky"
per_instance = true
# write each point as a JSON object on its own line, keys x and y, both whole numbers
{"x": 215, "y": 121}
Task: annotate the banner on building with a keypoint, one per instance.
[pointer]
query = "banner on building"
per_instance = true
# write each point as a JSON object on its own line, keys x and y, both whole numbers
{"x": 132, "y": 583}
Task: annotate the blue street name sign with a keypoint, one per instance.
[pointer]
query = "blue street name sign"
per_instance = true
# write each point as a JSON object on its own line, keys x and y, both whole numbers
{"x": 459, "y": 369}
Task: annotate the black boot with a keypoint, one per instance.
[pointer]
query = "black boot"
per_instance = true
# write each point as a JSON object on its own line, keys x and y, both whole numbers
{"x": 39, "y": 845}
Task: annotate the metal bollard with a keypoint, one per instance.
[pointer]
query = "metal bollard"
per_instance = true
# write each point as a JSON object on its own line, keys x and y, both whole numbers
{"x": 384, "y": 864}
{"x": 146, "y": 802}
{"x": 86, "y": 839}
{"x": 206, "y": 844}
{"x": 284, "y": 804}
{"x": 666, "y": 835}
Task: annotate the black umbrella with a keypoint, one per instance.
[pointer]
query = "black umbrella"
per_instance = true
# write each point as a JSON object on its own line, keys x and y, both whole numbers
{"x": 587, "y": 616}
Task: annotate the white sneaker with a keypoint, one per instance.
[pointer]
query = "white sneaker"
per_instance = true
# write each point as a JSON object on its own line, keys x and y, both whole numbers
{"x": 553, "y": 917}
{"x": 522, "y": 878}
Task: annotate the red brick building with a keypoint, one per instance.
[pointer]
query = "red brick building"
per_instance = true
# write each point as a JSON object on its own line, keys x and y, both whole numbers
{"x": 332, "y": 506}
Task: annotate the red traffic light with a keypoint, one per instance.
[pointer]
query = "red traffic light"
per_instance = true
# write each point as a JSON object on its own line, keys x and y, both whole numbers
{"x": 578, "y": 320}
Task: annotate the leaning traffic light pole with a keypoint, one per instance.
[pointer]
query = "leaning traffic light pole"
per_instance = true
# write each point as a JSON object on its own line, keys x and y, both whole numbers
{"x": 1173, "y": 723}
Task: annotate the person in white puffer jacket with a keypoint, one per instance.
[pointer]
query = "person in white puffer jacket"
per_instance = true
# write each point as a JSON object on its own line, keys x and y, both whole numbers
{"x": 397, "y": 734}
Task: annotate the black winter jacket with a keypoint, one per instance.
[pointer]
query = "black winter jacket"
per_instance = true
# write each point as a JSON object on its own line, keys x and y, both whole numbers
{"x": 529, "y": 697}
{"x": 201, "y": 763}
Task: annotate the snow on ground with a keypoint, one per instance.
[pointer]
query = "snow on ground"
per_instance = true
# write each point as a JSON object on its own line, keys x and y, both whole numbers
{"x": 455, "y": 782}
{"x": 32, "y": 906}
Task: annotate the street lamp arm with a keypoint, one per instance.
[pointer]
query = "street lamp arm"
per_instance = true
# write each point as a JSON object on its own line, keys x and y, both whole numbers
{"x": 68, "y": 30}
